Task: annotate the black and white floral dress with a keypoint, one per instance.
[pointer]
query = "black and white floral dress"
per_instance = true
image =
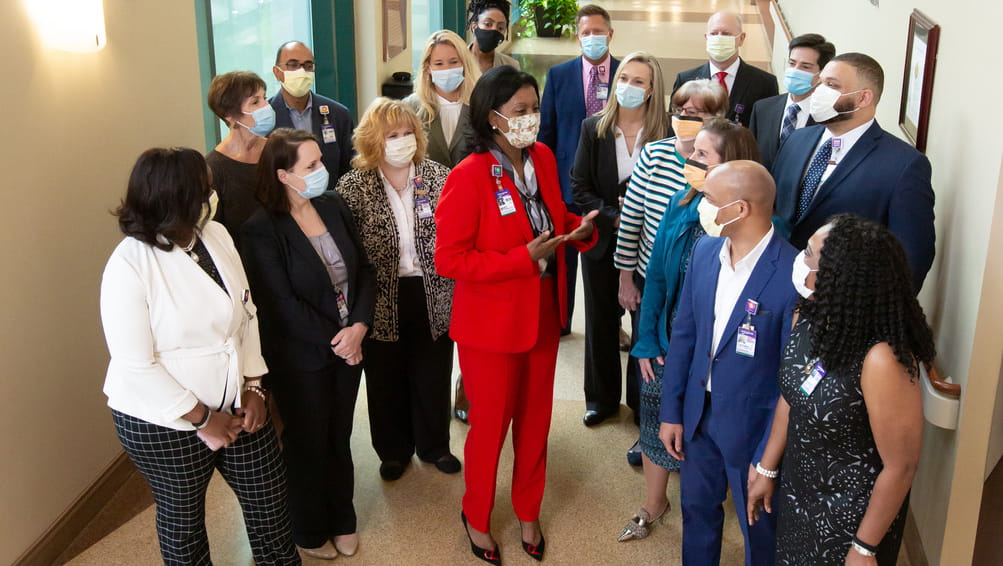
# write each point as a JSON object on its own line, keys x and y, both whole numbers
{"x": 830, "y": 464}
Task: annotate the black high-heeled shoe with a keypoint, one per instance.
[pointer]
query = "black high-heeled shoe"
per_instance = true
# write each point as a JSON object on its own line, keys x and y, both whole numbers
{"x": 535, "y": 551}
{"x": 491, "y": 556}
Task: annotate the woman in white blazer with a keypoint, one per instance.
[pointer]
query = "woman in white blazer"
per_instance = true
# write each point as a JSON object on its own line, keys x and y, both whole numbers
{"x": 184, "y": 378}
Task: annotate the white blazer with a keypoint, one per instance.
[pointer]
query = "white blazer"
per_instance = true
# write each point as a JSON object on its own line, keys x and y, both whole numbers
{"x": 174, "y": 336}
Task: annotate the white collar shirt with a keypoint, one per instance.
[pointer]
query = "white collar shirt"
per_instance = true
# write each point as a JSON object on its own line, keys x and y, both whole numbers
{"x": 732, "y": 70}
{"x": 402, "y": 206}
{"x": 846, "y": 143}
{"x": 803, "y": 114}
{"x": 449, "y": 114}
{"x": 731, "y": 282}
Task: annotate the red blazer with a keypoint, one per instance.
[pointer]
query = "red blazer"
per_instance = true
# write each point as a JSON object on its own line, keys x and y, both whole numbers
{"x": 496, "y": 302}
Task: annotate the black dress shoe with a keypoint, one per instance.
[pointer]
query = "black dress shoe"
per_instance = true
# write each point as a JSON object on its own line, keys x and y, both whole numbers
{"x": 491, "y": 556}
{"x": 592, "y": 418}
{"x": 535, "y": 551}
{"x": 448, "y": 464}
{"x": 392, "y": 470}
{"x": 634, "y": 455}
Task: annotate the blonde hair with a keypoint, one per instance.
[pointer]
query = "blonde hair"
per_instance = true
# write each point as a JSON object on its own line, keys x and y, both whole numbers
{"x": 711, "y": 93}
{"x": 369, "y": 138}
{"x": 424, "y": 88}
{"x": 655, "y": 120}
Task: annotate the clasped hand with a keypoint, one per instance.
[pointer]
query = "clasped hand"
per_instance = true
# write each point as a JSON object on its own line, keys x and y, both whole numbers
{"x": 347, "y": 343}
{"x": 543, "y": 245}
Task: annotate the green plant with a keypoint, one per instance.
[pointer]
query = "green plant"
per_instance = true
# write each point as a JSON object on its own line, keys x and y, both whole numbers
{"x": 547, "y": 18}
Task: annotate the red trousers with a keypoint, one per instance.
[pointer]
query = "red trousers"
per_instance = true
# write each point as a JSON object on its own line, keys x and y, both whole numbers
{"x": 516, "y": 389}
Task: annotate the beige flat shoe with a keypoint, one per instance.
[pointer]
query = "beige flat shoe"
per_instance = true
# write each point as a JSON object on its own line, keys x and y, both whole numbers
{"x": 325, "y": 552}
{"x": 347, "y": 544}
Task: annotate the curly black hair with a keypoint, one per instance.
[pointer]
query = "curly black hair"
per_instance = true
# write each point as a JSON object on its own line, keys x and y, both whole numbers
{"x": 863, "y": 296}
{"x": 478, "y": 7}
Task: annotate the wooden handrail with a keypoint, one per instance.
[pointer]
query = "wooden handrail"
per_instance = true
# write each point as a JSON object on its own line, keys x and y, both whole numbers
{"x": 938, "y": 383}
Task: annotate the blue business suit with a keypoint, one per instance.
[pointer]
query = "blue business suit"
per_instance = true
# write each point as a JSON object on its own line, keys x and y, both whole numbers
{"x": 336, "y": 155}
{"x": 721, "y": 437}
{"x": 881, "y": 178}
{"x": 562, "y": 111}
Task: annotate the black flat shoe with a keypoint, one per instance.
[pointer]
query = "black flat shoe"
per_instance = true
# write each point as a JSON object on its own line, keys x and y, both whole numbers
{"x": 448, "y": 464}
{"x": 593, "y": 418}
{"x": 392, "y": 470}
{"x": 535, "y": 551}
{"x": 491, "y": 556}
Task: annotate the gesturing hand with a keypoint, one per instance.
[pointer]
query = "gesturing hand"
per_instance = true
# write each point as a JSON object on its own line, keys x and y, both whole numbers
{"x": 584, "y": 230}
{"x": 543, "y": 245}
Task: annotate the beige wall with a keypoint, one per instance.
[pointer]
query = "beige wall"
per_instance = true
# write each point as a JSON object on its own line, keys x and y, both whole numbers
{"x": 371, "y": 70}
{"x": 73, "y": 126}
{"x": 961, "y": 295}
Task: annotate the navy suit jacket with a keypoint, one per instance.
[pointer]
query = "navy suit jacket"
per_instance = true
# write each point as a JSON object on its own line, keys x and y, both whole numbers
{"x": 767, "y": 114}
{"x": 562, "y": 111}
{"x": 337, "y": 155}
{"x": 881, "y": 178}
{"x": 743, "y": 388}
{"x": 751, "y": 84}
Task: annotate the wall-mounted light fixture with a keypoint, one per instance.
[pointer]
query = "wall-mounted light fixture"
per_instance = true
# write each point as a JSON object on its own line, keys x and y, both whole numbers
{"x": 70, "y": 25}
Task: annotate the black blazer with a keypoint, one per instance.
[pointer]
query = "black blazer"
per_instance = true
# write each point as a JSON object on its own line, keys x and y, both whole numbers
{"x": 751, "y": 84}
{"x": 297, "y": 304}
{"x": 336, "y": 155}
{"x": 594, "y": 183}
{"x": 767, "y": 114}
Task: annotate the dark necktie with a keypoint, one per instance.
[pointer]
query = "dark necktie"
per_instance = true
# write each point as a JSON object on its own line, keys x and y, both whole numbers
{"x": 720, "y": 79}
{"x": 790, "y": 121}
{"x": 811, "y": 179}
{"x": 592, "y": 102}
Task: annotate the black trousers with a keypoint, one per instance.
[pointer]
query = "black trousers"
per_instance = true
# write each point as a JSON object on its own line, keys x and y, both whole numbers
{"x": 633, "y": 366}
{"x": 178, "y": 467}
{"x": 317, "y": 409}
{"x": 603, "y": 369}
{"x": 407, "y": 383}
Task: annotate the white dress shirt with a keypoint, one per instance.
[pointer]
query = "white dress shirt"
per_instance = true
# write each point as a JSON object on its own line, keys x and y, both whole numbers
{"x": 174, "y": 336}
{"x": 402, "y": 206}
{"x": 847, "y": 142}
{"x": 449, "y": 114}
{"x": 729, "y": 79}
{"x": 803, "y": 115}
{"x": 730, "y": 283}
{"x": 626, "y": 158}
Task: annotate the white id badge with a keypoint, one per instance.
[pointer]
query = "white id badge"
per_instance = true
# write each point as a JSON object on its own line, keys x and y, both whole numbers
{"x": 505, "y": 203}
{"x": 602, "y": 91}
{"x": 423, "y": 206}
{"x": 816, "y": 375}
{"x": 342, "y": 306}
{"x": 327, "y": 132}
{"x": 746, "y": 345}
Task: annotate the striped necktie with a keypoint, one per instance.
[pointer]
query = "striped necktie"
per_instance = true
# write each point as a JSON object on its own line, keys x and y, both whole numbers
{"x": 790, "y": 121}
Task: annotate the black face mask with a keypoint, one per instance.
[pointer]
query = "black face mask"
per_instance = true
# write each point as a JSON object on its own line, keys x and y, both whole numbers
{"x": 488, "y": 39}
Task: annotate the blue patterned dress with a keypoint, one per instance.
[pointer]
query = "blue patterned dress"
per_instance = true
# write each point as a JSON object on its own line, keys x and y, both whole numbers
{"x": 830, "y": 464}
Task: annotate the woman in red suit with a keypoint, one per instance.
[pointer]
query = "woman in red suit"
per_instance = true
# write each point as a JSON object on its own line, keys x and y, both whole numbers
{"x": 502, "y": 228}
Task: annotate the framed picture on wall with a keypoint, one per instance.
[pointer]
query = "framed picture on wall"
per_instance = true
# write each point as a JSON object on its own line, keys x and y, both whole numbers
{"x": 394, "y": 28}
{"x": 917, "y": 84}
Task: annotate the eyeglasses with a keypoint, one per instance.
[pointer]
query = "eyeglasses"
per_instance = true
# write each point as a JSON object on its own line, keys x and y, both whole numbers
{"x": 293, "y": 65}
{"x": 692, "y": 112}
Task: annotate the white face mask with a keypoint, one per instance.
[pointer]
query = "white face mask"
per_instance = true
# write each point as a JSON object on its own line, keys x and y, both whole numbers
{"x": 298, "y": 82}
{"x": 822, "y": 104}
{"x": 799, "y": 275}
{"x": 448, "y": 80}
{"x": 708, "y": 217}
{"x": 208, "y": 209}
{"x": 721, "y": 47}
{"x": 400, "y": 151}
{"x": 522, "y": 130}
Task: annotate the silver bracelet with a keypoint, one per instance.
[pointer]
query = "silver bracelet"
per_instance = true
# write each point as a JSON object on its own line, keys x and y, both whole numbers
{"x": 772, "y": 474}
{"x": 861, "y": 550}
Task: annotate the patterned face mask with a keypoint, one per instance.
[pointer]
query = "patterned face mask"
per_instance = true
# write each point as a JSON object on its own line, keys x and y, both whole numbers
{"x": 522, "y": 130}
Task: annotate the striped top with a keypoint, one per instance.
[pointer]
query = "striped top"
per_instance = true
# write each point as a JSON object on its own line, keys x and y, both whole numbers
{"x": 657, "y": 176}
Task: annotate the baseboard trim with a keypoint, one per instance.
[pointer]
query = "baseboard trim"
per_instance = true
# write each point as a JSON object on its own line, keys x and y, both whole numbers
{"x": 913, "y": 543}
{"x": 54, "y": 541}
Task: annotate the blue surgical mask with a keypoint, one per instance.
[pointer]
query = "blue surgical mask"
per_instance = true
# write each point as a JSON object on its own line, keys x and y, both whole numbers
{"x": 264, "y": 120}
{"x": 797, "y": 81}
{"x": 630, "y": 96}
{"x": 316, "y": 182}
{"x": 448, "y": 80}
{"x": 594, "y": 46}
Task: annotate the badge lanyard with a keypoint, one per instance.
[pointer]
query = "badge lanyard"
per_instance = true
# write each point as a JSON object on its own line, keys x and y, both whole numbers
{"x": 326, "y": 128}
{"x": 422, "y": 202}
{"x": 746, "y": 344}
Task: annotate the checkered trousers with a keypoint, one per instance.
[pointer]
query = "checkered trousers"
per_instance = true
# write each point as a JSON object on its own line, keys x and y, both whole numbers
{"x": 178, "y": 466}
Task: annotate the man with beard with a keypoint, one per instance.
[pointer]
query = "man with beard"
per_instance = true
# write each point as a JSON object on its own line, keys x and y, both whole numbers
{"x": 849, "y": 164}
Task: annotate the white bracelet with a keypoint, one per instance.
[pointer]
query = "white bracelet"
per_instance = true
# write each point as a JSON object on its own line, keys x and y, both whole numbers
{"x": 861, "y": 550}
{"x": 772, "y": 474}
